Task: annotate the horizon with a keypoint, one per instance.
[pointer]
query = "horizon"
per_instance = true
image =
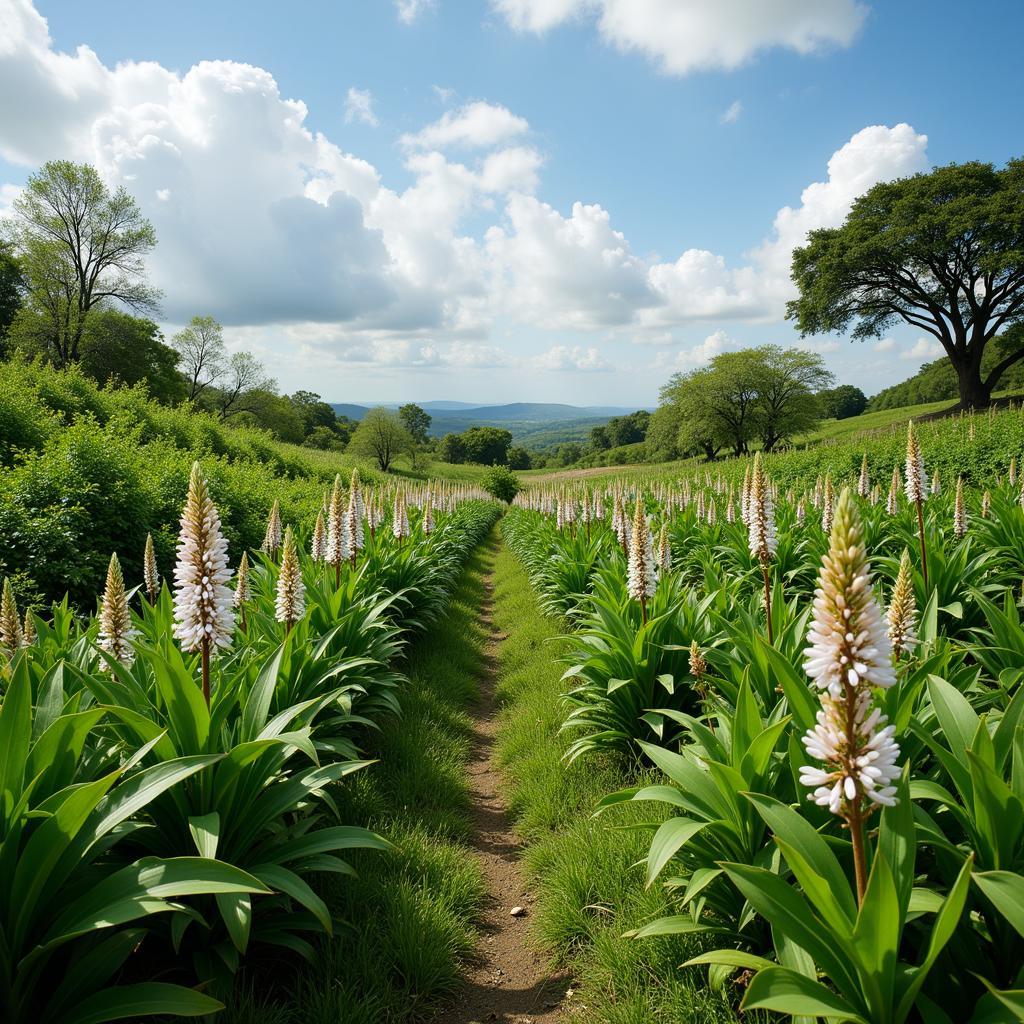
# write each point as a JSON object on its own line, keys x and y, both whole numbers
{"x": 397, "y": 197}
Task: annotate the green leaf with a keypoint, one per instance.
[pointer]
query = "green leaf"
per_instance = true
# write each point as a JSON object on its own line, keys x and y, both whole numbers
{"x": 1005, "y": 889}
{"x": 205, "y": 831}
{"x": 668, "y": 840}
{"x": 799, "y": 834}
{"x": 786, "y": 991}
{"x": 236, "y": 912}
{"x": 955, "y": 714}
{"x": 731, "y": 958}
{"x": 942, "y": 931}
{"x": 148, "y": 999}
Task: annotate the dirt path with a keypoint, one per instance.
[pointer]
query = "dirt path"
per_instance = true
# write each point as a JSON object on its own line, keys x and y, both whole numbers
{"x": 507, "y": 982}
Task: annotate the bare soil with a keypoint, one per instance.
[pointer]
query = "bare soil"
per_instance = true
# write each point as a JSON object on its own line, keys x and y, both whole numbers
{"x": 507, "y": 981}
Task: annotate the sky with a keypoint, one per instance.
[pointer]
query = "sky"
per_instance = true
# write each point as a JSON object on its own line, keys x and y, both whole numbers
{"x": 504, "y": 200}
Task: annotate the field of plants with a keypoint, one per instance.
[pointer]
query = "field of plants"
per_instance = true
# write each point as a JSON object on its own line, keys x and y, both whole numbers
{"x": 774, "y": 762}
{"x": 170, "y": 764}
{"x": 825, "y": 674}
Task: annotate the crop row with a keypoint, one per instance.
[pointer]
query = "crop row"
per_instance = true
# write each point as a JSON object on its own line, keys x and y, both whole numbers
{"x": 167, "y": 766}
{"x": 830, "y": 683}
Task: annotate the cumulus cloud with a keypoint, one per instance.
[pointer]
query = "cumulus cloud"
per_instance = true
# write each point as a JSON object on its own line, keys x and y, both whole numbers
{"x": 700, "y": 285}
{"x": 564, "y": 357}
{"x": 697, "y": 355}
{"x": 885, "y": 345}
{"x": 565, "y": 272}
{"x": 473, "y": 126}
{"x": 262, "y": 221}
{"x": 680, "y": 38}
{"x": 732, "y": 112}
{"x": 924, "y": 350}
{"x": 359, "y": 107}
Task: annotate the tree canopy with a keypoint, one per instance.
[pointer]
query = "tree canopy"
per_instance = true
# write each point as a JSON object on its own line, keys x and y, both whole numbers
{"x": 381, "y": 436}
{"x": 79, "y": 246}
{"x": 942, "y": 252}
{"x": 767, "y": 393}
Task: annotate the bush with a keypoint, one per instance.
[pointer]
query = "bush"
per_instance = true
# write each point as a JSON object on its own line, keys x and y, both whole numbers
{"x": 501, "y": 483}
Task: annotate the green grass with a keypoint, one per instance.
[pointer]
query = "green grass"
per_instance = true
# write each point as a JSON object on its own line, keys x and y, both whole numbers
{"x": 589, "y": 887}
{"x": 410, "y": 915}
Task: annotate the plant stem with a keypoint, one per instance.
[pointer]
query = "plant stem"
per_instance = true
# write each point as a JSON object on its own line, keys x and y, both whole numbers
{"x": 860, "y": 866}
{"x": 205, "y": 649}
{"x": 924, "y": 553}
{"x": 767, "y": 600}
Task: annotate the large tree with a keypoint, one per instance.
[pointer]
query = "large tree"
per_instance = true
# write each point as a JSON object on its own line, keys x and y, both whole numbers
{"x": 487, "y": 445}
{"x": 381, "y": 436}
{"x": 416, "y": 421}
{"x": 203, "y": 354}
{"x": 80, "y": 246}
{"x": 786, "y": 380}
{"x": 244, "y": 376}
{"x": 766, "y": 392}
{"x": 942, "y": 252}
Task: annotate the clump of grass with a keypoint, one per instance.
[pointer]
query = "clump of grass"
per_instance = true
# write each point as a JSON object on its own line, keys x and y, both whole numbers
{"x": 587, "y": 873}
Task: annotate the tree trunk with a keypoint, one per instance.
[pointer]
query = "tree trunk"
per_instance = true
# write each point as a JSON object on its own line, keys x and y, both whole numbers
{"x": 974, "y": 392}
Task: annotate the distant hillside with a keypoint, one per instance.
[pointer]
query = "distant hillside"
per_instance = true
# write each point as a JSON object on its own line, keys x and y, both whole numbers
{"x": 535, "y": 425}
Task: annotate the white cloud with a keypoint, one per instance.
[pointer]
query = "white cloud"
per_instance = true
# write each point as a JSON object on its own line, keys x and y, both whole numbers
{"x": 683, "y": 37}
{"x": 443, "y": 93}
{"x": 476, "y": 125}
{"x": 700, "y": 285}
{"x": 261, "y": 221}
{"x": 359, "y": 107}
{"x": 409, "y": 10}
{"x": 885, "y": 345}
{"x": 697, "y": 355}
{"x": 565, "y": 272}
{"x": 732, "y": 113}
{"x": 924, "y": 349}
{"x": 562, "y": 357}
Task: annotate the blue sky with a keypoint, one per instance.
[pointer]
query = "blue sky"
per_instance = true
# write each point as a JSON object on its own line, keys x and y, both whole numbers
{"x": 411, "y": 230}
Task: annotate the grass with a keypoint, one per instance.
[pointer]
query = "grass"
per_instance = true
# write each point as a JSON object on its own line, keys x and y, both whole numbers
{"x": 588, "y": 884}
{"x": 409, "y": 915}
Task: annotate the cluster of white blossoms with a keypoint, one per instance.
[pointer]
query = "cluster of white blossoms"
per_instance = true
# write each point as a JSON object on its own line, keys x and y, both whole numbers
{"x": 761, "y": 514}
{"x": 242, "y": 593}
{"x": 916, "y": 483}
{"x": 664, "y": 550}
{"x": 116, "y": 631}
{"x": 354, "y": 536}
{"x": 892, "y": 502}
{"x": 959, "y": 511}
{"x": 643, "y": 570}
{"x": 290, "y": 602}
{"x": 318, "y": 545}
{"x": 902, "y": 613}
{"x": 272, "y": 538}
{"x": 11, "y": 634}
{"x": 202, "y": 598}
{"x": 848, "y": 655}
{"x": 400, "y": 517}
{"x": 150, "y": 574}
{"x": 337, "y": 542}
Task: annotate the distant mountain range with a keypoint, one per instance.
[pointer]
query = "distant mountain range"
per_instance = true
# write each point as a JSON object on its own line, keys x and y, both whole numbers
{"x": 532, "y": 424}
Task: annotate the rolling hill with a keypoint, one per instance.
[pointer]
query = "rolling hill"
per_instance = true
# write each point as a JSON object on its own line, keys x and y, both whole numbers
{"x": 536, "y": 425}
